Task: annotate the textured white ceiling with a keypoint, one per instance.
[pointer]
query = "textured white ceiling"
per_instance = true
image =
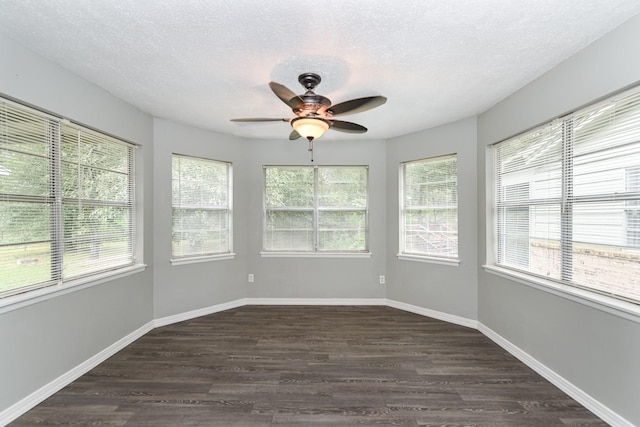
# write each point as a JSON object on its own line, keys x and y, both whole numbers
{"x": 203, "y": 62}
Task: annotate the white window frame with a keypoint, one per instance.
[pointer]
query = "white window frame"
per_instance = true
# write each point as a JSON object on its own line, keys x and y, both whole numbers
{"x": 429, "y": 257}
{"x": 315, "y": 253}
{"x": 614, "y": 304}
{"x": 208, "y": 256}
{"x": 58, "y": 284}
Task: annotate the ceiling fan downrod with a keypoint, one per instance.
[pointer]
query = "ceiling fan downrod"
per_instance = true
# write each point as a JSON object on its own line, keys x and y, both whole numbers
{"x": 309, "y": 81}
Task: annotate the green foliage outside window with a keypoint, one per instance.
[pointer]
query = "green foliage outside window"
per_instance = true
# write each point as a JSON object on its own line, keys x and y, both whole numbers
{"x": 316, "y": 208}
{"x": 66, "y": 202}
{"x": 201, "y": 207}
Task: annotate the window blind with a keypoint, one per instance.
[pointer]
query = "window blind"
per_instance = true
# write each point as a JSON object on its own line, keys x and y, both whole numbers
{"x": 28, "y": 216}
{"x": 315, "y": 208}
{"x": 429, "y": 207}
{"x": 201, "y": 199}
{"x": 567, "y": 199}
{"x": 529, "y": 197}
{"x": 67, "y": 204}
{"x": 98, "y": 207}
{"x": 342, "y": 208}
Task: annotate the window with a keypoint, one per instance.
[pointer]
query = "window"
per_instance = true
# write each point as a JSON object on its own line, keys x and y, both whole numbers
{"x": 567, "y": 199}
{"x": 67, "y": 207}
{"x": 429, "y": 208}
{"x": 315, "y": 209}
{"x": 201, "y": 200}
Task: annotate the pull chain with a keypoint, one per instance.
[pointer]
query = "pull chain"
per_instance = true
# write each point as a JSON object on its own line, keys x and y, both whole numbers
{"x": 311, "y": 146}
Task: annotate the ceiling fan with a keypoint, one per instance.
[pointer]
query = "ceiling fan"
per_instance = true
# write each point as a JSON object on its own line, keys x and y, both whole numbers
{"x": 315, "y": 113}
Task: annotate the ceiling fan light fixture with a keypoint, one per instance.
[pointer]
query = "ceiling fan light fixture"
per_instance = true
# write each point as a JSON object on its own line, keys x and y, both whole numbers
{"x": 315, "y": 113}
{"x": 310, "y": 128}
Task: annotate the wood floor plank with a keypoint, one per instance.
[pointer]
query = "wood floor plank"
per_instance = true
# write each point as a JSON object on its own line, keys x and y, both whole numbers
{"x": 311, "y": 366}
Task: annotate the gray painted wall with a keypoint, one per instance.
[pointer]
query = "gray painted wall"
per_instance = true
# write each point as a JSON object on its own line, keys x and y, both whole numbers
{"x": 182, "y": 288}
{"x": 317, "y": 277}
{"x": 444, "y": 288}
{"x": 178, "y": 289}
{"x": 596, "y": 351}
{"x": 40, "y": 342}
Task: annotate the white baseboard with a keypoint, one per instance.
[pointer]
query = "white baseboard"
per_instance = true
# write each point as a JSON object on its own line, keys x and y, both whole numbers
{"x": 181, "y": 317}
{"x": 188, "y": 315}
{"x": 450, "y": 318}
{"x": 316, "y": 301}
{"x": 19, "y": 408}
{"x": 574, "y": 392}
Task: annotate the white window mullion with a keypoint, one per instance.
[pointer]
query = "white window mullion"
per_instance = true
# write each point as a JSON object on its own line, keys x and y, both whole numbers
{"x": 316, "y": 213}
{"x": 566, "y": 211}
{"x": 229, "y": 217}
{"x": 499, "y": 217}
{"x": 57, "y": 226}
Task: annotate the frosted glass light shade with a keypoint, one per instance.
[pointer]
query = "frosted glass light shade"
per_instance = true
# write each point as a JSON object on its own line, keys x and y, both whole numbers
{"x": 310, "y": 127}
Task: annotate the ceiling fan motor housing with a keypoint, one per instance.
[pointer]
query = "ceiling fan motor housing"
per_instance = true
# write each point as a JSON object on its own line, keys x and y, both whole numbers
{"x": 312, "y": 101}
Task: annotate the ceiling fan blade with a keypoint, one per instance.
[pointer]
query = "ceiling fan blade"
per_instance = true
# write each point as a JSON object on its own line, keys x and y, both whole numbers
{"x": 347, "y": 127}
{"x": 357, "y": 105}
{"x": 286, "y": 95}
{"x": 260, "y": 119}
{"x": 294, "y": 135}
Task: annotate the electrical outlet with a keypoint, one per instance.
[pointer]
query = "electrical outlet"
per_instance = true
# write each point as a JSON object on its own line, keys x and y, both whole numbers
{"x": 251, "y": 278}
{"x": 382, "y": 280}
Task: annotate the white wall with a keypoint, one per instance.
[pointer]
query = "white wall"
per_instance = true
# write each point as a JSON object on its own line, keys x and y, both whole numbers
{"x": 442, "y": 288}
{"x": 183, "y": 288}
{"x": 42, "y": 341}
{"x": 596, "y": 351}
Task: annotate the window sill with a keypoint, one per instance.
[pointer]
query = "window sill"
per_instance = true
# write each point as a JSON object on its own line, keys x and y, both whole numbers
{"x": 619, "y": 308}
{"x": 194, "y": 260}
{"x": 315, "y": 254}
{"x": 429, "y": 259}
{"x": 32, "y": 297}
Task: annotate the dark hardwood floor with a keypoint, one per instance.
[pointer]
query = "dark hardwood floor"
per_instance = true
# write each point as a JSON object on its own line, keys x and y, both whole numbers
{"x": 311, "y": 366}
